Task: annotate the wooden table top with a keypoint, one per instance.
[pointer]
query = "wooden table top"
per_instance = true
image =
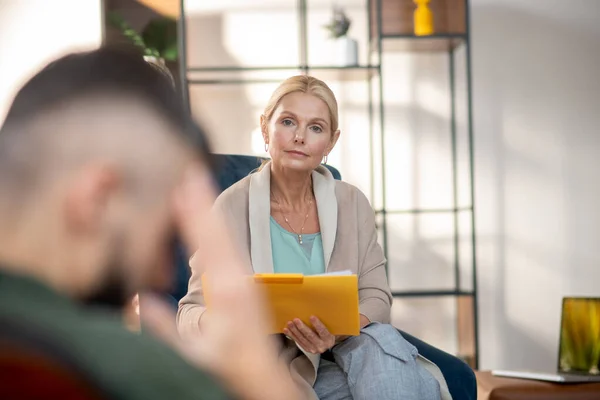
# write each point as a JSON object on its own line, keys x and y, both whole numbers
{"x": 490, "y": 387}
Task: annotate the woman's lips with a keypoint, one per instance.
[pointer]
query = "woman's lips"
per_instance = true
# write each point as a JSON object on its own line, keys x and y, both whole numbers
{"x": 297, "y": 153}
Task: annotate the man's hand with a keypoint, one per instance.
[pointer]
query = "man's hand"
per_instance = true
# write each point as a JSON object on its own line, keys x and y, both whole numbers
{"x": 235, "y": 345}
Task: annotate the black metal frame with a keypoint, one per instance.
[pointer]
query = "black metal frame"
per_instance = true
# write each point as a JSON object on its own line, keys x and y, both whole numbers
{"x": 375, "y": 71}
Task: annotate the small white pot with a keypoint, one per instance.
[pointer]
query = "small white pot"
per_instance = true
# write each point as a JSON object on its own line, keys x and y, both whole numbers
{"x": 347, "y": 51}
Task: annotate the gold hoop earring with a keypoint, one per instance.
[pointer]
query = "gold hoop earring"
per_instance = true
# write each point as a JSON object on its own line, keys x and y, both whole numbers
{"x": 266, "y": 147}
{"x": 325, "y": 159}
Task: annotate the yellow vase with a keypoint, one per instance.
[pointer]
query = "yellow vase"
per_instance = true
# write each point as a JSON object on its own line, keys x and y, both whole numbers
{"x": 423, "y": 18}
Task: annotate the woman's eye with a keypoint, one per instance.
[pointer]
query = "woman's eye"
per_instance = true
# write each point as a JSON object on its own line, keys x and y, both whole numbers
{"x": 317, "y": 129}
{"x": 287, "y": 122}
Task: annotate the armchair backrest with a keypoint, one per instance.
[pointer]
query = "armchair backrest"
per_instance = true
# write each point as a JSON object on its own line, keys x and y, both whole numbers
{"x": 231, "y": 168}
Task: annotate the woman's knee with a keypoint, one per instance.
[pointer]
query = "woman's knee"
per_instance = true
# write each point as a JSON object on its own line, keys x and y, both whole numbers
{"x": 380, "y": 362}
{"x": 382, "y": 331}
{"x": 379, "y": 346}
{"x": 375, "y": 333}
{"x": 387, "y": 338}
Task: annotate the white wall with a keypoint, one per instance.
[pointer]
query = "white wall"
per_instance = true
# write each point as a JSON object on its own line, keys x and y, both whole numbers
{"x": 537, "y": 125}
{"x": 33, "y": 32}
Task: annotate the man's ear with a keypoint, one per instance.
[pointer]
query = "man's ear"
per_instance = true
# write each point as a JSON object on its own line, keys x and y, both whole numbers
{"x": 88, "y": 195}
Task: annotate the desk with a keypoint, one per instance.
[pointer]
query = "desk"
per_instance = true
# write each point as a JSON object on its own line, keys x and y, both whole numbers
{"x": 490, "y": 387}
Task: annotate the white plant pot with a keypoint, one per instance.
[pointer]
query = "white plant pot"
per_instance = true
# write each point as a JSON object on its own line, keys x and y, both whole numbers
{"x": 347, "y": 51}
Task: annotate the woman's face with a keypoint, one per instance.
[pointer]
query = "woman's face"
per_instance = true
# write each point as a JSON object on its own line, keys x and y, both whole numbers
{"x": 299, "y": 132}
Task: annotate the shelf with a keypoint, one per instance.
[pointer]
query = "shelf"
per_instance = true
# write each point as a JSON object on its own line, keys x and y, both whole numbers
{"x": 168, "y": 8}
{"x": 397, "y": 20}
{"x": 281, "y": 68}
{"x": 242, "y": 69}
{"x": 431, "y": 293}
{"x": 425, "y": 210}
{"x": 421, "y": 44}
{"x": 356, "y": 73}
{"x": 258, "y": 74}
{"x": 231, "y": 81}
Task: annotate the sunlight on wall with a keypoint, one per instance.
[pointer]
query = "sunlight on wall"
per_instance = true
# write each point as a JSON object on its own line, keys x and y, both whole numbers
{"x": 258, "y": 143}
{"x": 273, "y": 50}
{"x": 34, "y": 32}
{"x": 432, "y": 98}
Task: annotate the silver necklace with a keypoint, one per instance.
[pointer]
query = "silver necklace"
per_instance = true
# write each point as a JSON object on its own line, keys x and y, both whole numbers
{"x": 288, "y": 222}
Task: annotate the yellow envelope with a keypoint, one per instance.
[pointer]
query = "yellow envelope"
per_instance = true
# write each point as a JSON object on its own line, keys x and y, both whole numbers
{"x": 331, "y": 298}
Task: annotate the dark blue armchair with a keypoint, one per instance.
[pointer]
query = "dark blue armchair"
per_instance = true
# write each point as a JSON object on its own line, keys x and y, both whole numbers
{"x": 230, "y": 169}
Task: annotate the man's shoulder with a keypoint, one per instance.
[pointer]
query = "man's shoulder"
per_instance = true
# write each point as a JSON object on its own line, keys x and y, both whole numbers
{"x": 139, "y": 366}
{"x": 121, "y": 363}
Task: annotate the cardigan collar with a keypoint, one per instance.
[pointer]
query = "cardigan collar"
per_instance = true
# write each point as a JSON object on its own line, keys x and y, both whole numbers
{"x": 260, "y": 211}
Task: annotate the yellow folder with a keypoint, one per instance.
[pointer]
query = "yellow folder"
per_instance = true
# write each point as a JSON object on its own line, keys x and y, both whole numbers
{"x": 331, "y": 298}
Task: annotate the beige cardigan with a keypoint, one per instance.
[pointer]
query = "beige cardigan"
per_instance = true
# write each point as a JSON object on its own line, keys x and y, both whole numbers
{"x": 349, "y": 243}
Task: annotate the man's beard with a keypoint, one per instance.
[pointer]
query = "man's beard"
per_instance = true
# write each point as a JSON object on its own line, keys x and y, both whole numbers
{"x": 116, "y": 291}
{"x": 112, "y": 293}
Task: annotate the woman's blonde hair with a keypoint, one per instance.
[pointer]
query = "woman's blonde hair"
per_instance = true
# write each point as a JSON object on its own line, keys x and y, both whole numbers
{"x": 309, "y": 85}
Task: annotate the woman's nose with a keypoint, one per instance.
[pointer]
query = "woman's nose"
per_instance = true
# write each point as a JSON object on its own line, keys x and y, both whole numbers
{"x": 299, "y": 138}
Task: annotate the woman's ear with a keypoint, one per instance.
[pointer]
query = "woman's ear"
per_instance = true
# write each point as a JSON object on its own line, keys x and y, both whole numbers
{"x": 334, "y": 139}
{"x": 263, "y": 128}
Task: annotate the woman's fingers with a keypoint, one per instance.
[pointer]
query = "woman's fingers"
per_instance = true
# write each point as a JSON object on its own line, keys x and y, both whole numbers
{"x": 314, "y": 341}
{"x": 323, "y": 332}
{"x": 320, "y": 328}
{"x": 293, "y": 332}
{"x": 307, "y": 332}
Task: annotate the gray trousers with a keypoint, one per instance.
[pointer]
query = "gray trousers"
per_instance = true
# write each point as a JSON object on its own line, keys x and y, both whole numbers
{"x": 379, "y": 364}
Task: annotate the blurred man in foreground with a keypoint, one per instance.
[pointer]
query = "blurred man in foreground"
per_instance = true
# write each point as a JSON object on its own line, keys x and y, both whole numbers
{"x": 100, "y": 169}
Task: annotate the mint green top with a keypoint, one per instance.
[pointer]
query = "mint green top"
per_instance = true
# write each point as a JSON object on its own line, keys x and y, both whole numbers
{"x": 291, "y": 257}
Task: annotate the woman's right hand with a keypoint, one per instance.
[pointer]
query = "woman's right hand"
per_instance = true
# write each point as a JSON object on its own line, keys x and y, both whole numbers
{"x": 316, "y": 341}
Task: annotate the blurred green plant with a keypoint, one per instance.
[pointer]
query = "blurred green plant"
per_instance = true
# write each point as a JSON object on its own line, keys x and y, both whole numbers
{"x": 161, "y": 35}
{"x": 339, "y": 25}
{"x": 158, "y": 38}
{"x": 580, "y": 336}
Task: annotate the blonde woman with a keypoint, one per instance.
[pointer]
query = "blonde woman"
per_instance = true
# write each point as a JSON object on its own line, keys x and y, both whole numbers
{"x": 292, "y": 217}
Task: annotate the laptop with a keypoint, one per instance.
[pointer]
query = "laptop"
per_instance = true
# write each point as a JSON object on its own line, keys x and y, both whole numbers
{"x": 579, "y": 347}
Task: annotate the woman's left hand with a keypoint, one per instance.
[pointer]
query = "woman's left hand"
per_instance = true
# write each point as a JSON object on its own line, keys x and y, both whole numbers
{"x": 315, "y": 341}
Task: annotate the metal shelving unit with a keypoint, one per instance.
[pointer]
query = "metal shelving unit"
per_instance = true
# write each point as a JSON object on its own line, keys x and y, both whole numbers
{"x": 379, "y": 43}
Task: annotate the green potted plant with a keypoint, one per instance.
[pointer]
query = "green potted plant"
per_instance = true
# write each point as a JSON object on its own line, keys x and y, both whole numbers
{"x": 347, "y": 48}
{"x": 158, "y": 39}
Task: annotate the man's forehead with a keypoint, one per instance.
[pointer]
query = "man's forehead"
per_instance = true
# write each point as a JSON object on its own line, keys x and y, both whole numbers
{"x": 103, "y": 117}
{"x": 118, "y": 109}
{"x": 108, "y": 128}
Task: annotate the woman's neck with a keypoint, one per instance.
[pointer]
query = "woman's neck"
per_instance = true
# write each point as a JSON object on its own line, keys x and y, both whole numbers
{"x": 293, "y": 189}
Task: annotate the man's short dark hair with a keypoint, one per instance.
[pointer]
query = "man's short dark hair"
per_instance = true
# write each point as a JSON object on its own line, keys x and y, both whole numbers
{"x": 112, "y": 71}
